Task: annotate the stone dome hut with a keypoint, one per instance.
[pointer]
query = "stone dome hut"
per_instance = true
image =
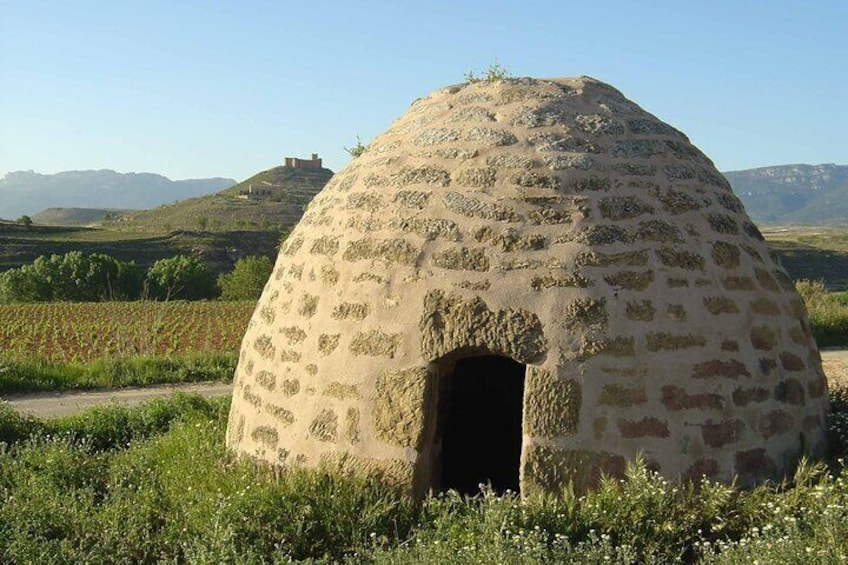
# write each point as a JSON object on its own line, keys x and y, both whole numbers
{"x": 529, "y": 282}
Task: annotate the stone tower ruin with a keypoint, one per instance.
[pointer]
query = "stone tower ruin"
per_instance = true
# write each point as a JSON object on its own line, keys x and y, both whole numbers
{"x": 529, "y": 282}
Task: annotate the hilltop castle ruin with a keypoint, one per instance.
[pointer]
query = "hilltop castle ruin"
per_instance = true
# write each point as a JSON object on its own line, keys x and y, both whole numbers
{"x": 295, "y": 163}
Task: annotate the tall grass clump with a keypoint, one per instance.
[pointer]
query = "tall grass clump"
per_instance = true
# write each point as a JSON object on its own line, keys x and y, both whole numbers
{"x": 19, "y": 376}
{"x": 828, "y": 312}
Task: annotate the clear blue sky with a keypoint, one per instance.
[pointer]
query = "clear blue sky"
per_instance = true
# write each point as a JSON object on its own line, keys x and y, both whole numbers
{"x": 204, "y": 88}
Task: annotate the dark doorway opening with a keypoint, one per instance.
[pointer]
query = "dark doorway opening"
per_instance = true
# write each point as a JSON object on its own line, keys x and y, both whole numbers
{"x": 480, "y": 424}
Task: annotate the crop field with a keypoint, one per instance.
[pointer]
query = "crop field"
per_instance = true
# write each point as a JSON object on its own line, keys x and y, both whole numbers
{"x": 85, "y": 332}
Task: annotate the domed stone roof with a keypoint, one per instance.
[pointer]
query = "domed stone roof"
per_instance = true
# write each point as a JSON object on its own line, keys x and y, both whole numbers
{"x": 529, "y": 282}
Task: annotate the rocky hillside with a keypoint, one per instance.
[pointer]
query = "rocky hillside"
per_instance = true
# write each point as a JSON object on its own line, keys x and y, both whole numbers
{"x": 812, "y": 195}
{"x": 273, "y": 199}
{"x": 27, "y": 192}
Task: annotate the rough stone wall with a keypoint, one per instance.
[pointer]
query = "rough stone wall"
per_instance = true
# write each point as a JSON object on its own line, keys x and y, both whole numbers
{"x": 556, "y": 223}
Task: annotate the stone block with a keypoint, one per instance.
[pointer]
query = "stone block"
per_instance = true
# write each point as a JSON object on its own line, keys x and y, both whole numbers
{"x": 722, "y": 433}
{"x": 552, "y": 405}
{"x": 641, "y": 310}
{"x": 731, "y": 369}
{"x": 399, "y": 405}
{"x": 662, "y": 341}
{"x": 462, "y": 259}
{"x": 677, "y": 398}
{"x": 622, "y": 396}
{"x": 649, "y": 426}
{"x": 375, "y": 343}
{"x": 325, "y": 426}
{"x": 449, "y": 323}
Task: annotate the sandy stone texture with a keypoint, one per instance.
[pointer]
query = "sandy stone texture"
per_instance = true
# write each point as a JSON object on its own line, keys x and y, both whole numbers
{"x": 556, "y": 223}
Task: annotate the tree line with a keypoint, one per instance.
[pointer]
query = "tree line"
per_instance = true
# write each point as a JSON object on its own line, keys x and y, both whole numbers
{"x": 82, "y": 277}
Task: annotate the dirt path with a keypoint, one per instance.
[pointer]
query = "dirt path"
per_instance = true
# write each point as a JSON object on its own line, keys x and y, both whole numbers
{"x": 835, "y": 365}
{"x": 58, "y": 404}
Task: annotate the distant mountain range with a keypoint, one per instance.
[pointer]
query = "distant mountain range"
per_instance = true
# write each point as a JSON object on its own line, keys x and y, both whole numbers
{"x": 812, "y": 195}
{"x": 800, "y": 195}
{"x": 27, "y": 192}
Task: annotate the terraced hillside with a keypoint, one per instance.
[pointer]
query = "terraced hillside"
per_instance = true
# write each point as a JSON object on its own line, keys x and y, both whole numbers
{"x": 270, "y": 200}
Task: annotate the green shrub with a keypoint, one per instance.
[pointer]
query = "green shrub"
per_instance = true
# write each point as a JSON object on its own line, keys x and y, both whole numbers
{"x": 72, "y": 277}
{"x": 180, "y": 277}
{"x": 812, "y": 292}
{"x": 247, "y": 279}
{"x": 178, "y": 496}
{"x": 15, "y": 427}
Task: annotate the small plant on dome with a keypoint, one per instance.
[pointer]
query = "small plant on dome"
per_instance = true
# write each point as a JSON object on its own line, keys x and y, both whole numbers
{"x": 495, "y": 72}
{"x": 357, "y": 149}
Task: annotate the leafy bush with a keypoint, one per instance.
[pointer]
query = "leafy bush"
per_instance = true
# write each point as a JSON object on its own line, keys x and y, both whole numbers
{"x": 73, "y": 277}
{"x": 247, "y": 279}
{"x": 180, "y": 277}
{"x": 15, "y": 427}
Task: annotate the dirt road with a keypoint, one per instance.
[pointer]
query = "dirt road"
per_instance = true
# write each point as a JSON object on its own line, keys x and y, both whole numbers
{"x": 57, "y": 404}
{"x": 835, "y": 365}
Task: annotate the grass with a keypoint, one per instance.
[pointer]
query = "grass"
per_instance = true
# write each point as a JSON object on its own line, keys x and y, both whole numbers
{"x": 40, "y": 376}
{"x": 156, "y": 484}
{"x": 828, "y": 313}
